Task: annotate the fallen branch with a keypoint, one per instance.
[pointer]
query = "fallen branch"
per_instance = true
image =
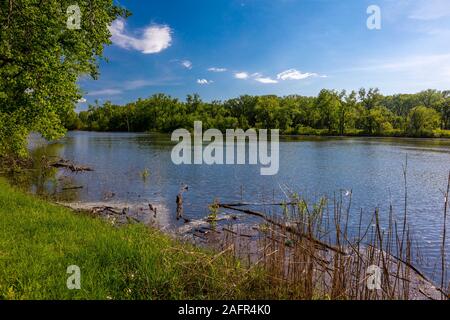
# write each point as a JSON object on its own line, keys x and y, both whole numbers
{"x": 236, "y": 233}
{"x": 417, "y": 271}
{"x": 103, "y": 209}
{"x": 286, "y": 227}
{"x": 72, "y": 188}
{"x": 243, "y": 204}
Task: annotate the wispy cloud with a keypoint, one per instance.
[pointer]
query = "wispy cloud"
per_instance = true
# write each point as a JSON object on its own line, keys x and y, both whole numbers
{"x": 137, "y": 84}
{"x": 413, "y": 63}
{"x": 214, "y": 69}
{"x": 414, "y": 71}
{"x": 293, "y": 74}
{"x": 105, "y": 92}
{"x": 430, "y": 9}
{"x": 204, "y": 81}
{"x": 82, "y": 100}
{"x": 129, "y": 86}
{"x": 154, "y": 38}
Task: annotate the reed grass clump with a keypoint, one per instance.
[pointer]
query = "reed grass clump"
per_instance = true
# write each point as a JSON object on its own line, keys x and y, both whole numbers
{"x": 313, "y": 252}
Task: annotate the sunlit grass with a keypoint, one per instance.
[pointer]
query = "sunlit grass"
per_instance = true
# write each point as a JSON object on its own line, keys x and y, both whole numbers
{"x": 39, "y": 240}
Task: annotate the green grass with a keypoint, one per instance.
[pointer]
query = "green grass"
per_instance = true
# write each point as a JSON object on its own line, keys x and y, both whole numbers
{"x": 39, "y": 240}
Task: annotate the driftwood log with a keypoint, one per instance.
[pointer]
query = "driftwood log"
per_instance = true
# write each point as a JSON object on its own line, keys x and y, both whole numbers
{"x": 72, "y": 188}
{"x": 66, "y": 164}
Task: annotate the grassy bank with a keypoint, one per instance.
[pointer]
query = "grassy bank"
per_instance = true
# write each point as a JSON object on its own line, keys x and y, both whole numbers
{"x": 39, "y": 240}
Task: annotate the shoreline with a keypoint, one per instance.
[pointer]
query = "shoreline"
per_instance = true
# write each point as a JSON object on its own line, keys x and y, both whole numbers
{"x": 420, "y": 286}
{"x": 284, "y": 135}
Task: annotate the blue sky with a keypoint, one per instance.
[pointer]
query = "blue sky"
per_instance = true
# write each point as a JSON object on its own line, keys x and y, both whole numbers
{"x": 224, "y": 48}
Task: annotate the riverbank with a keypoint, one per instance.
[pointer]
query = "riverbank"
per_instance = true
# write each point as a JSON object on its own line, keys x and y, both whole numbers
{"x": 322, "y": 133}
{"x": 39, "y": 241}
{"x": 435, "y": 134}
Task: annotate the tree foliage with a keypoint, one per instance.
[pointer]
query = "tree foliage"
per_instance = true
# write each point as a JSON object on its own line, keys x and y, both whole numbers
{"x": 366, "y": 112}
{"x": 40, "y": 62}
{"x": 422, "y": 121}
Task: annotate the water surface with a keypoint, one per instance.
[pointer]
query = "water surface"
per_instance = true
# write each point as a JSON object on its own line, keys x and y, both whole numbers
{"x": 371, "y": 167}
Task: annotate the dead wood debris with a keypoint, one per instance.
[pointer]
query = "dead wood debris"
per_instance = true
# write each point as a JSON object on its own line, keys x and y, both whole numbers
{"x": 67, "y": 164}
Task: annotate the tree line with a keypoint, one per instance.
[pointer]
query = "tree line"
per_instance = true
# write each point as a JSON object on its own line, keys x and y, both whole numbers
{"x": 363, "y": 112}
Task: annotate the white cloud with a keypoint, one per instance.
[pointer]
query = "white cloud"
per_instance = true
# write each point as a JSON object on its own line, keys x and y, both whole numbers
{"x": 241, "y": 75}
{"x": 214, "y": 69}
{"x": 256, "y": 76}
{"x": 265, "y": 80}
{"x": 154, "y": 38}
{"x": 204, "y": 81}
{"x": 186, "y": 64}
{"x": 293, "y": 74}
{"x": 82, "y": 100}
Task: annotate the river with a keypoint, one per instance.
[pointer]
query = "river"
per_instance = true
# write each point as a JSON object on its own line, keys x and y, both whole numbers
{"x": 314, "y": 167}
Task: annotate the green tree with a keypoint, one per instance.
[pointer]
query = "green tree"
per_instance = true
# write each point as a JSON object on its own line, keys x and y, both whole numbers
{"x": 71, "y": 120}
{"x": 380, "y": 118}
{"x": 422, "y": 121}
{"x": 348, "y": 112}
{"x": 369, "y": 100}
{"x": 328, "y": 103}
{"x": 267, "y": 112}
{"x": 444, "y": 109}
{"x": 429, "y": 98}
{"x": 40, "y": 62}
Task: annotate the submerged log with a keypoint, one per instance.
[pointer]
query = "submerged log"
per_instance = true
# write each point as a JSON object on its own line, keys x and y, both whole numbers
{"x": 244, "y": 204}
{"x": 72, "y": 188}
{"x": 66, "y": 164}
